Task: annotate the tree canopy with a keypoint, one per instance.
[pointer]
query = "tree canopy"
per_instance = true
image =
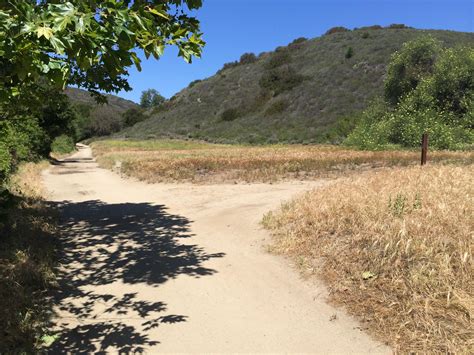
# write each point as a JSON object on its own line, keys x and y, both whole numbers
{"x": 89, "y": 43}
{"x": 151, "y": 98}
{"x": 428, "y": 89}
{"x": 46, "y": 45}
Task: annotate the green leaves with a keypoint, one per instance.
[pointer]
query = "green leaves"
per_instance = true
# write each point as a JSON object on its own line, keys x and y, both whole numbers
{"x": 44, "y": 31}
{"x": 96, "y": 42}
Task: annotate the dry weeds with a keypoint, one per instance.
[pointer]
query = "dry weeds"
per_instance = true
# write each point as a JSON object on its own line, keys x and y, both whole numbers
{"x": 395, "y": 247}
{"x": 167, "y": 161}
{"x": 27, "y": 181}
{"x": 27, "y": 261}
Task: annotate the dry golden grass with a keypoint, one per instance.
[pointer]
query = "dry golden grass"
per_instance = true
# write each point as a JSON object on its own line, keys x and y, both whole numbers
{"x": 174, "y": 160}
{"x": 27, "y": 260}
{"x": 27, "y": 181}
{"x": 395, "y": 247}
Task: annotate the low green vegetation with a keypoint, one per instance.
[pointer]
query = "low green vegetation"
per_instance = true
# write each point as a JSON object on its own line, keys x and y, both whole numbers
{"x": 62, "y": 144}
{"x": 428, "y": 89}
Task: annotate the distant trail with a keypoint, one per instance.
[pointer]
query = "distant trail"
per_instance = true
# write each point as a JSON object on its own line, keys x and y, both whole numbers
{"x": 182, "y": 268}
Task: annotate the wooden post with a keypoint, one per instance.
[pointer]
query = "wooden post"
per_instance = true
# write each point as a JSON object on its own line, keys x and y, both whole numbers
{"x": 424, "y": 148}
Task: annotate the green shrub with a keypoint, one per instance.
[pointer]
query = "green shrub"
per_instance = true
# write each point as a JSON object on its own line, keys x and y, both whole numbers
{"x": 280, "y": 79}
{"x": 278, "y": 59}
{"x": 230, "y": 114}
{"x": 248, "y": 58}
{"x": 133, "y": 115}
{"x": 337, "y": 29}
{"x": 276, "y": 107}
{"x": 62, "y": 144}
{"x": 365, "y": 35}
{"x": 297, "y": 43}
{"x": 437, "y": 99}
{"x": 409, "y": 66}
{"x": 5, "y": 162}
{"x": 229, "y": 66}
{"x": 373, "y": 27}
{"x": 349, "y": 53}
{"x": 397, "y": 26}
{"x": 299, "y": 40}
{"x": 194, "y": 82}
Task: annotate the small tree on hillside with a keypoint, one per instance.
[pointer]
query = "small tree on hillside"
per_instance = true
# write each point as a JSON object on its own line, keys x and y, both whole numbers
{"x": 151, "y": 98}
{"x": 409, "y": 66}
{"x": 133, "y": 115}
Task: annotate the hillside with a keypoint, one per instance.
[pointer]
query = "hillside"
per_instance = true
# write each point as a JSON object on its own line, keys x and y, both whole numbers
{"x": 308, "y": 91}
{"x": 99, "y": 119}
{"x": 115, "y": 103}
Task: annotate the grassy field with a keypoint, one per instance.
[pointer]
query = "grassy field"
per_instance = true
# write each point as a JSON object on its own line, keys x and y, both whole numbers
{"x": 395, "y": 248}
{"x": 198, "y": 162}
{"x": 27, "y": 260}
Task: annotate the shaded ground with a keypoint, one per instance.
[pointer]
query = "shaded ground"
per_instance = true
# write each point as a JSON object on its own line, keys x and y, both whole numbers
{"x": 181, "y": 268}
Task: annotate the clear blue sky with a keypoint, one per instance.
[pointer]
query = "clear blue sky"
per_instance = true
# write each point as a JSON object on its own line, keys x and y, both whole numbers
{"x": 233, "y": 27}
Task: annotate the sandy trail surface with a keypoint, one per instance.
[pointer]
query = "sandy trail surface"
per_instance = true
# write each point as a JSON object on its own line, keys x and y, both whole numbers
{"x": 182, "y": 268}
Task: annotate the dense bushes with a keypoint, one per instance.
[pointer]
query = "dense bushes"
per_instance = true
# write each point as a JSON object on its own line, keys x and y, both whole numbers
{"x": 398, "y": 26}
{"x": 28, "y": 129}
{"x": 409, "y": 66}
{"x": 62, "y": 144}
{"x": 277, "y": 107}
{"x": 248, "y": 58}
{"x": 336, "y": 30}
{"x": 194, "y": 82}
{"x": 230, "y": 114}
{"x": 132, "y": 116}
{"x": 278, "y": 59}
{"x": 349, "y": 53}
{"x": 280, "y": 79}
{"x": 427, "y": 90}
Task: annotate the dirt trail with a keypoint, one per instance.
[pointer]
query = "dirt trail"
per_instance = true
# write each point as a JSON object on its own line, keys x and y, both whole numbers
{"x": 182, "y": 268}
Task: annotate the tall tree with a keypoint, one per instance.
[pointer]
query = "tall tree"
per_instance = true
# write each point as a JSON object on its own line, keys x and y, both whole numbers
{"x": 151, "y": 98}
{"x": 48, "y": 44}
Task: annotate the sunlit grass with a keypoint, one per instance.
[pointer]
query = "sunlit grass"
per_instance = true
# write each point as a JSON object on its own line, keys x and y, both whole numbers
{"x": 176, "y": 160}
{"x": 395, "y": 247}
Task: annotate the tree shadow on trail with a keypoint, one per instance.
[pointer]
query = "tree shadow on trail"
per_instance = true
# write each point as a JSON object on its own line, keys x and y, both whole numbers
{"x": 127, "y": 244}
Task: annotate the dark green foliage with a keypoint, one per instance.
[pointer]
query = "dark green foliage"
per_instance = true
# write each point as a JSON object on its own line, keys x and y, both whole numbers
{"x": 297, "y": 43}
{"x": 248, "y": 58}
{"x": 21, "y": 138}
{"x": 230, "y": 114}
{"x": 365, "y": 35}
{"x": 93, "y": 119}
{"x": 151, "y": 98}
{"x": 409, "y": 66}
{"x": 280, "y": 80}
{"x": 333, "y": 89}
{"x": 133, "y": 115}
{"x": 194, "y": 82}
{"x": 373, "y": 27}
{"x": 277, "y": 107}
{"x": 349, "y": 53}
{"x": 438, "y": 101}
{"x": 229, "y": 65}
{"x": 62, "y": 144}
{"x": 337, "y": 29}
{"x": 398, "y": 26}
{"x": 278, "y": 59}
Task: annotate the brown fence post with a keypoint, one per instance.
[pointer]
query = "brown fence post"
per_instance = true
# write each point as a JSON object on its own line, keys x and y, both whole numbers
{"x": 424, "y": 148}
